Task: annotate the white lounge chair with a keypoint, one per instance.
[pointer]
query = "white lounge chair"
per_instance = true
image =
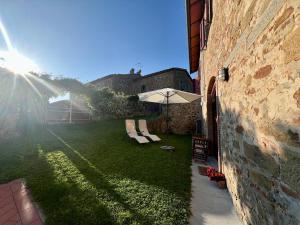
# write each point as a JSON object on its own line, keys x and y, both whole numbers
{"x": 131, "y": 131}
{"x": 144, "y": 130}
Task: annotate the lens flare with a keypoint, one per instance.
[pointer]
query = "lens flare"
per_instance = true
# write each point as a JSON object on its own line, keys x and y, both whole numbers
{"x": 17, "y": 63}
{"x": 20, "y": 95}
{"x": 5, "y": 36}
{"x": 12, "y": 60}
{"x": 25, "y": 91}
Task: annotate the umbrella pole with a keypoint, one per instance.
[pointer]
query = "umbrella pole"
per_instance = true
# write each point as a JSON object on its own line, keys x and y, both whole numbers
{"x": 167, "y": 114}
{"x": 167, "y": 147}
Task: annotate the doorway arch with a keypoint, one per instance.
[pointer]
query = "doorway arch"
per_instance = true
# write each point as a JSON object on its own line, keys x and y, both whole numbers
{"x": 212, "y": 119}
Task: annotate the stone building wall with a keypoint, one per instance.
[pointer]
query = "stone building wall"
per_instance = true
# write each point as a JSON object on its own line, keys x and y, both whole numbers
{"x": 133, "y": 83}
{"x": 124, "y": 83}
{"x": 118, "y": 82}
{"x": 183, "y": 82}
{"x": 259, "y": 106}
{"x": 177, "y": 79}
{"x": 154, "y": 82}
{"x": 183, "y": 119}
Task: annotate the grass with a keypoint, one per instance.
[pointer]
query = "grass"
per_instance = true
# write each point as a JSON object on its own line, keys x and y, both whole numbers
{"x": 94, "y": 174}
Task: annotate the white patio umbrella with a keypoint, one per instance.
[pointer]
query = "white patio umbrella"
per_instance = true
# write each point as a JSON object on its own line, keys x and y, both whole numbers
{"x": 168, "y": 96}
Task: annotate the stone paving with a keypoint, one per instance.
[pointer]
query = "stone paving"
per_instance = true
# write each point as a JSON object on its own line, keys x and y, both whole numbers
{"x": 209, "y": 204}
{"x": 16, "y": 206}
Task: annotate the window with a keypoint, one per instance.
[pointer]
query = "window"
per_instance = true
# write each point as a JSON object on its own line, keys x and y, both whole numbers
{"x": 205, "y": 24}
{"x": 143, "y": 88}
{"x": 183, "y": 86}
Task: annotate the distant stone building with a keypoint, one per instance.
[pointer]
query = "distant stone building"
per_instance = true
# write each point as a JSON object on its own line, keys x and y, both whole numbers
{"x": 176, "y": 78}
{"x": 252, "y": 117}
{"x": 135, "y": 83}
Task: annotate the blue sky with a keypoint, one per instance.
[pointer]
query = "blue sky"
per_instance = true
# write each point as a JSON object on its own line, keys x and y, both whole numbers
{"x": 87, "y": 39}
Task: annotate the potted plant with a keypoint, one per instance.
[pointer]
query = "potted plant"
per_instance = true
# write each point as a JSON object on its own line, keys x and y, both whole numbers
{"x": 216, "y": 176}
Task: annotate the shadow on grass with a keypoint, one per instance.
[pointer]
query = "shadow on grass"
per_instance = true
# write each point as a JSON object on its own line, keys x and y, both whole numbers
{"x": 59, "y": 196}
{"x": 133, "y": 201}
{"x": 100, "y": 183}
{"x": 101, "y": 178}
{"x": 112, "y": 151}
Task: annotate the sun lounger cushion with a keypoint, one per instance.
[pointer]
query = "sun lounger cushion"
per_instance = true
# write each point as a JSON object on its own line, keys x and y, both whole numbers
{"x": 144, "y": 130}
{"x": 131, "y": 131}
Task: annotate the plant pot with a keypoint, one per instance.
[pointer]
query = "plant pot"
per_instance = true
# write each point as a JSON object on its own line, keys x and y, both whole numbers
{"x": 222, "y": 184}
{"x": 202, "y": 170}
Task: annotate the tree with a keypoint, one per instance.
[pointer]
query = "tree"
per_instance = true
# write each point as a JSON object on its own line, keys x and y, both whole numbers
{"x": 108, "y": 104}
{"x": 28, "y": 95}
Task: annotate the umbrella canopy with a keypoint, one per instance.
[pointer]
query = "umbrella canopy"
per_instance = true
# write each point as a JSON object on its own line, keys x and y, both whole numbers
{"x": 168, "y": 96}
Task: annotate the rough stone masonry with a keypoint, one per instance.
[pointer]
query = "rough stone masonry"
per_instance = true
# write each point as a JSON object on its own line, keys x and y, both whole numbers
{"x": 259, "y": 106}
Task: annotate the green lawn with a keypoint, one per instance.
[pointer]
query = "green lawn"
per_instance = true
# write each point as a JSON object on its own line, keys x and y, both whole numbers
{"x": 94, "y": 174}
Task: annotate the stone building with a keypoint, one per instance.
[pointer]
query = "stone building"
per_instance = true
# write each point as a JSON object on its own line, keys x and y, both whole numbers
{"x": 176, "y": 78}
{"x": 252, "y": 117}
{"x": 135, "y": 83}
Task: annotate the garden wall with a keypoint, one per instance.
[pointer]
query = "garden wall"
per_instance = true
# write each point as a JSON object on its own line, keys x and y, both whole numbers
{"x": 259, "y": 106}
{"x": 183, "y": 118}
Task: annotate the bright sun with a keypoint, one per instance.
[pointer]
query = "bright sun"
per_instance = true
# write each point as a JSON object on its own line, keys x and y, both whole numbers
{"x": 17, "y": 63}
{"x": 12, "y": 60}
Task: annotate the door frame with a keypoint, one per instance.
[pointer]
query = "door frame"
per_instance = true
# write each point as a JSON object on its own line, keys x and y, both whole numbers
{"x": 213, "y": 120}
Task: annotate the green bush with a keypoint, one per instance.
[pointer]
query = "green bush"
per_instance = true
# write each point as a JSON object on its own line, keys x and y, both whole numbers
{"x": 108, "y": 104}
